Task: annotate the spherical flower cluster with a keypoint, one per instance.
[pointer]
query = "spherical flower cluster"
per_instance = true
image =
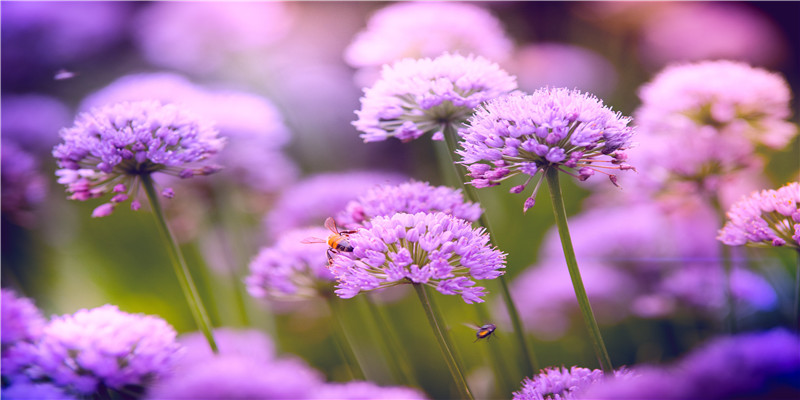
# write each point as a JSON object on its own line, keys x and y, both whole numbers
{"x": 356, "y": 390}
{"x": 414, "y": 97}
{"x": 427, "y": 30}
{"x": 561, "y": 383}
{"x": 21, "y": 320}
{"x": 409, "y": 197}
{"x": 704, "y": 120}
{"x": 768, "y": 217}
{"x": 551, "y": 128}
{"x": 290, "y": 269}
{"x": 109, "y": 148}
{"x": 434, "y": 249}
{"x": 104, "y": 347}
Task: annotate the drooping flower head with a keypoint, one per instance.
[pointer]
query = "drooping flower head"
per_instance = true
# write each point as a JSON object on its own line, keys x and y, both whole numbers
{"x": 104, "y": 347}
{"x": 408, "y": 197}
{"x": 768, "y": 217}
{"x": 356, "y": 390}
{"x": 561, "y": 383}
{"x": 108, "y": 149}
{"x": 291, "y": 269}
{"x": 434, "y": 249}
{"x": 551, "y": 128}
{"x": 419, "y": 96}
{"x": 700, "y": 122}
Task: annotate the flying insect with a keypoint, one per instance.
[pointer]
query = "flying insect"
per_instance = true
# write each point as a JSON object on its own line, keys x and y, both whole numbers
{"x": 482, "y": 332}
{"x": 338, "y": 241}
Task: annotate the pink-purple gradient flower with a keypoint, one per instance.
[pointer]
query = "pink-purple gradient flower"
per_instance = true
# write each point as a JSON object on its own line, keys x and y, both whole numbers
{"x": 551, "y": 128}
{"x": 104, "y": 347}
{"x": 408, "y": 197}
{"x": 433, "y": 249}
{"x": 109, "y": 148}
{"x": 765, "y": 218}
{"x": 419, "y": 96}
{"x": 562, "y": 383}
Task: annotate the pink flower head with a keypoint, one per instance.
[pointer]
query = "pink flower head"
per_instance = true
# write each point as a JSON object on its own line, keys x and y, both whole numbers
{"x": 768, "y": 217}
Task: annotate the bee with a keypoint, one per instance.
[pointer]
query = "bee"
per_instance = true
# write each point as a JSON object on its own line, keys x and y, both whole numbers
{"x": 338, "y": 241}
{"x": 483, "y": 331}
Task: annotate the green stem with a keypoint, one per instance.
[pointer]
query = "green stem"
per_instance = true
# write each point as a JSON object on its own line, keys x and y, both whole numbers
{"x": 340, "y": 337}
{"x": 179, "y": 264}
{"x": 444, "y": 342}
{"x": 398, "y": 363}
{"x": 575, "y": 274}
{"x": 471, "y": 194}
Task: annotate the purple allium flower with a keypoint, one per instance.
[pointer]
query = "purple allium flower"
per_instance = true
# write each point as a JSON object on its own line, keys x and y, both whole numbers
{"x": 32, "y": 121}
{"x": 434, "y": 249}
{"x": 408, "y": 197}
{"x": 221, "y": 33}
{"x": 704, "y": 120}
{"x": 227, "y": 376}
{"x": 356, "y": 390}
{"x": 249, "y": 343}
{"x": 290, "y": 269}
{"x": 104, "y": 347}
{"x": 253, "y": 126}
{"x": 768, "y": 217}
{"x": 562, "y": 383}
{"x": 414, "y": 97}
{"x": 551, "y": 128}
{"x": 21, "y": 320}
{"x": 427, "y": 29}
{"x": 24, "y": 187}
{"x": 109, "y": 148}
{"x": 312, "y": 200}
{"x": 752, "y": 365}
{"x": 35, "y": 391}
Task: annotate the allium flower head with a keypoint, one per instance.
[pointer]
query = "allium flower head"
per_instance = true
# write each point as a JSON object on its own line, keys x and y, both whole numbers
{"x": 551, "y": 128}
{"x": 356, "y": 390}
{"x": 703, "y": 120}
{"x": 250, "y": 343}
{"x": 409, "y": 197}
{"x": 104, "y": 346}
{"x": 427, "y": 29}
{"x": 109, "y": 148}
{"x": 434, "y": 249}
{"x": 561, "y": 383}
{"x": 768, "y": 217}
{"x": 290, "y": 269}
{"x": 418, "y": 96}
{"x": 21, "y": 320}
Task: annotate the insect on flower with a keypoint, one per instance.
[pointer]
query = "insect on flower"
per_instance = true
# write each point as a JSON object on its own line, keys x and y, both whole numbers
{"x": 338, "y": 241}
{"x": 483, "y": 331}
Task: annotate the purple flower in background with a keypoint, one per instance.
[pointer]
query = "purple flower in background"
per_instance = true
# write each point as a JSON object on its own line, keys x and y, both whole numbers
{"x": 248, "y": 343}
{"x": 254, "y": 128}
{"x": 364, "y": 391}
{"x": 109, "y": 148}
{"x": 35, "y": 391}
{"x": 24, "y": 187}
{"x": 551, "y": 128}
{"x": 427, "y": 29}
{"x": 768, "y": 217}
{"x": 21, "y": 320}
{"x": 312, "y": 200}
{"x": 221, "y": 33}
{"x": 562, "y": 383}
{"x": 104, "y": 347}
{"x": 408, "y": 197}
{"x": 752, "y": 365}
{"x": 290, "y": 269}
{"x": 434, "y": 249}
{"x": 32, "y": 121}
{"x": 702, "y": 121}
{"x": 414, "y": 97}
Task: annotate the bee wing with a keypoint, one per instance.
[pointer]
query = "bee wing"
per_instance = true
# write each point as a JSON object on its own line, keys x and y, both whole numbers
{"x": 473, "y": 326}
{"x": 313, "y": 240}
{"x": 331, "y": 225}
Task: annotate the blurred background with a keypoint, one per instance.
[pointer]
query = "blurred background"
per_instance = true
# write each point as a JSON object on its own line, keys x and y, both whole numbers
{"x": 283, "y": 80}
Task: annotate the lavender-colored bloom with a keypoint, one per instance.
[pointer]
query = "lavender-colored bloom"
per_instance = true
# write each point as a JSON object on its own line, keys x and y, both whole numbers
{"x": 414, "y": 97}
{"x": 21, "y": 320}
{"x": 364, "y": 391}
{"x": 768, "y": 217}
{"x": 562, "y": 383}
{"x": 104, "y": 347}
{"x": 221, "y": 32}
{"x": 427, "y": 29}
{"x": 434, "y": 249}
{"x": 290, "y": 269}
{"x": 24, "y": 187}
{"x": 312, "y": 200}
{"x": 109, "y": 148}
{"x": 239, "y": 377}
{"x": 249, "y": 343}
{"x": 704, "y": 120}
{"x": 753, "y": 365}
{"x": 253, "y": 127}
{"x": 35, "y": 391}
{"x": 32, "y": 121}
{"x": 551, "y": 128}
{"x": 408, "y": 197}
